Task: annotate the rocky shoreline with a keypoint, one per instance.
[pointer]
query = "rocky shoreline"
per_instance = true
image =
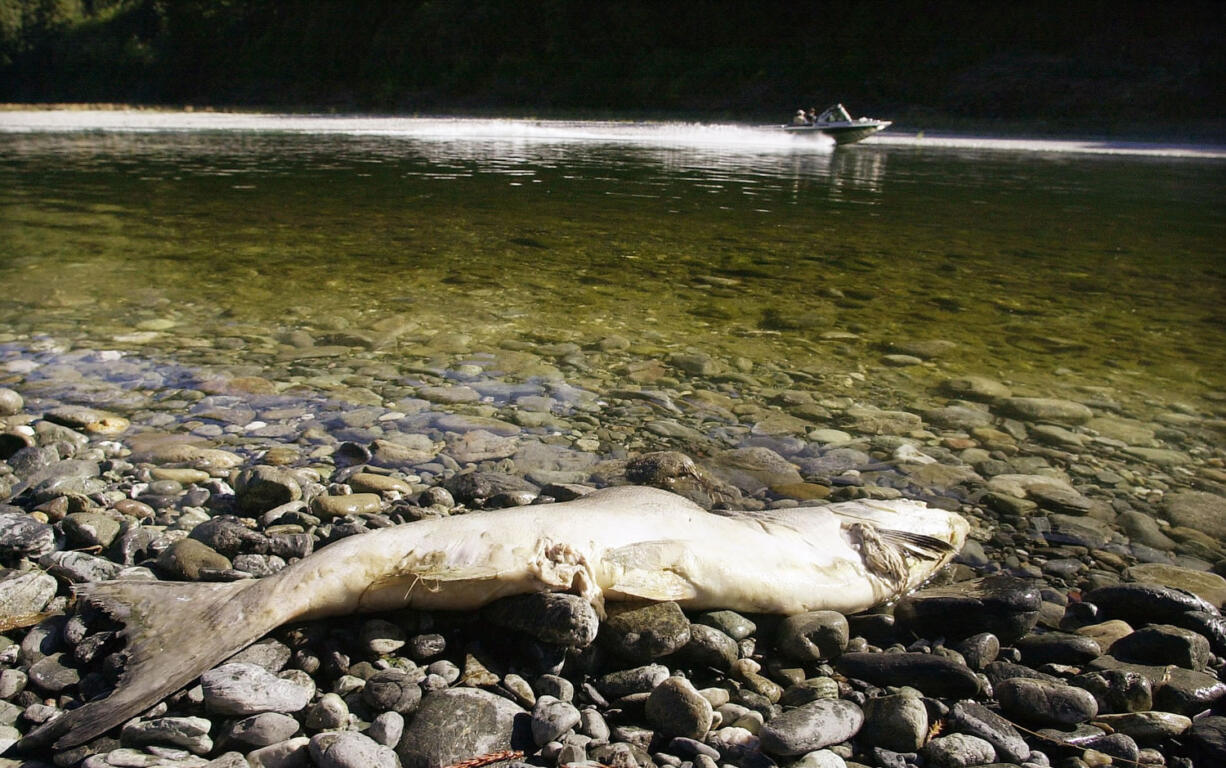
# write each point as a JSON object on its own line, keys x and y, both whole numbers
{"x": 1081, "y": 624}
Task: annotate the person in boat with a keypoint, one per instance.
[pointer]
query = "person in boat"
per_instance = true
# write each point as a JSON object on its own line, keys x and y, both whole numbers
{"x": 799, "y": 119}
{"x": 811, "y": 116}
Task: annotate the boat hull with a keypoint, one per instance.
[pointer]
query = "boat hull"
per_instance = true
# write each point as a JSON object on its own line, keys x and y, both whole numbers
{"x": 842, "y": 134}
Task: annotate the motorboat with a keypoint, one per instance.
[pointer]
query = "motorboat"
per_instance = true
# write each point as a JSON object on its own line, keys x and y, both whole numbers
{"x": 838, "y": 124}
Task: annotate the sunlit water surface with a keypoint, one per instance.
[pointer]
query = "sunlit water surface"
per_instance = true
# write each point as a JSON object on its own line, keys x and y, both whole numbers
{"x": 1060, "y": 267}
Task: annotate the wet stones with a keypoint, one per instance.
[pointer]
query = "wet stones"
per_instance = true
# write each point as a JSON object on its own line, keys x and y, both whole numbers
{"x": 551, "y": 617}
{"x": 897, "y": 722}
{"x": 1163, "y": 644}
{"x": 676, "y": 708}
{"x": 11, "y": 402}
{"x": 1117, "y": 690}
{"x": 934, "y": 675}
{"x": 1140, "y": 603}
{"x": 263, "y": 487}
{"x": 1045, "y": 409}
{"x": 977, "y": 720}
{"x": 1201, "y": 511}
{"x": 976, "y": 388}
{"x": 1003, "y": 605}
{"x": 187, "y": 558}
{"x": 1045, "y": 702}
{"x": 644, "y": 634}
{"x": 814, "y": 636}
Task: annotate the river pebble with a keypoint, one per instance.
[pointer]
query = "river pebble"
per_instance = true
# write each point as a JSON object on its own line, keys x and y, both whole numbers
{"x": 245, "y": 689}
{"x": 1086, "y": 605}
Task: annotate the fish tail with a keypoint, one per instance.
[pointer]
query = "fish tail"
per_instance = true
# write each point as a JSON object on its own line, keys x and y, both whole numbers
{"x": 174, "y": 631}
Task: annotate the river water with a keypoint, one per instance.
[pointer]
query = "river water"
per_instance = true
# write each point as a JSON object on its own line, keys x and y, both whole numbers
{"x": 349, "y": 257}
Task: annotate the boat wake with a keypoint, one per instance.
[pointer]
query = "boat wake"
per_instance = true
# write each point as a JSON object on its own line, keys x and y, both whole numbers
{"x": 666, "y": 134}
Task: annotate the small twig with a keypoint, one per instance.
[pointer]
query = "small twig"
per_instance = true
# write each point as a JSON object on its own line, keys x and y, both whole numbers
{"x": 492, "y": 757}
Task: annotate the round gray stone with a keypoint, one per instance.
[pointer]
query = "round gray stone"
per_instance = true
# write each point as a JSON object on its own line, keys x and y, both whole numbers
{"x": 347, "y": 749}
{"x": 551, "y": 718}
{"x": 245, "y": 689}
{"x": 1045, "y": 702}
{"x": 898, "y": 722}
{"x": 814, "y": 636}
{"x": 260, "y": 731}
{"x": 810, "y": 727}
{"x": 456, "y": 723}
{"x": 1205, "y": 512}
{"x": 958, "y": 750}
{"x": 644, "y": 634}
{"x": 676, "y": 708}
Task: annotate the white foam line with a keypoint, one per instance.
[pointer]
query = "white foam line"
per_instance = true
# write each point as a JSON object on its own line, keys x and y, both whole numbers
{"x": 1077, "y": 146}
{"x": 751, "y": 138}
{"x": 442, "y": 129}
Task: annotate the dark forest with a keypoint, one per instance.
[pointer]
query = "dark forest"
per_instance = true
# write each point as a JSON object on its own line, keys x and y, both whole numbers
{"x": 1104, "y": 65}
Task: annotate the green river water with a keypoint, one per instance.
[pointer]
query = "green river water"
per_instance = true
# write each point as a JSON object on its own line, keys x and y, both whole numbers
{"x": 1055, "y": 269}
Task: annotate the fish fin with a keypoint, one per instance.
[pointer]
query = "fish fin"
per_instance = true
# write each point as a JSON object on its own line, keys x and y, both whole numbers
{"x": 653, "y": 570}
{"x": 174, "y": 631}
{"x": 918, "y": 544}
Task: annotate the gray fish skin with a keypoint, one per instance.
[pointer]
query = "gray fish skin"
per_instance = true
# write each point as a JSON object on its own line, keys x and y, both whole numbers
{"x": 624, "y": 543}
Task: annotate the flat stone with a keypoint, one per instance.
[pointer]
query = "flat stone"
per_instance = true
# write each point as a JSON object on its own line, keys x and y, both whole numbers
{"x": 709, "y": 647}
{"x": 1002, "y": 605}
{"x": 1045, "y": 409}
{"x": 393, "y": 690}
{"x": 625, "y": 682}
{"x": 245, "y": 689}
{"x": 27, "y": 593}
{"x": 1163, "y": 644}
{"x": 1044, "y": 702}
{"x": 958, "y": 750}
{"x": 731, "y": 623}
{"x": 875, "y": 421}
{"x": 347, "y": 749}
{"x": 263, "y": 487}
{"x": 647, "y": 633}
{"x": 976, "y": 388}
{"x": 1117, "y": 690}
{"x": 1142, "y": 603}
{"x": 934, "y": 675}
{"x": 1057, "y": 648}
{"x": 977, "y": 720}
{"x": 24, "y": 536}
{"x": 259, "y": 730}
{"x": 1206, "y": 512}
{"x": 752, "y": 469}
{"x": 190, "y": 733}
{"x": 327, "y": 506}
{"x": 1188, "y": 691}
{"x": 1147, "y": 727}
{"x": 185, "y": 558}
{"x": 810, "y": 727}
{"x": 480, "y": 445}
